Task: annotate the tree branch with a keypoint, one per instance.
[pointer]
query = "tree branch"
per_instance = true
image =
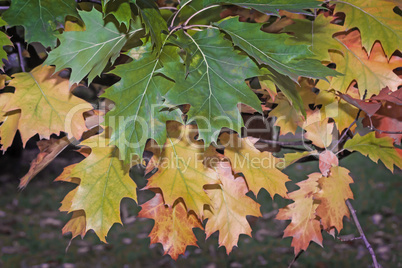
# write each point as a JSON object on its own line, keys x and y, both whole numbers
{"x": 21, "y": 58}
{"x": 363, "y": 236}
{"x": 284, "y": 143}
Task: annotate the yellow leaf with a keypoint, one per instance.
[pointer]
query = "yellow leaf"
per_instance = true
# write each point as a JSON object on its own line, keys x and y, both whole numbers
{"x": 334, "y": 192}
{"x": 104, "y": 182}
{"x": 320, "y": 133}
{"x": 259, "y": 168}
{"x": 47, "y": 105}
{"x": 181, "y": 172}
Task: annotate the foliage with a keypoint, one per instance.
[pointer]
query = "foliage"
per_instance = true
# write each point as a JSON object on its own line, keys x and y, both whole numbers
{"x": 183, "y": 83}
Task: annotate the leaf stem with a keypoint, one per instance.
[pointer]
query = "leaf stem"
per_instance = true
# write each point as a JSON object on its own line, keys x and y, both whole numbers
{"x": 198, "y": 12}
{"x": 346, "y": 131}
{"x": 363, "y": 236}
{"x": 177, "y": 13}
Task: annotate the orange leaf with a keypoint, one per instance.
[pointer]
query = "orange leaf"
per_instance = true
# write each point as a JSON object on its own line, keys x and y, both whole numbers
{"x": 46, "y": 104}
{"x": 334, "y": 192}
{"x": 259, "y": 168}
{"x": 230, "y": 206}
{"x": 305, "y": 226}
{"x": 76, "y": 225}
{"x": 49, "y": 150}
{"x": 173, "y": 225}
{"x": 372, "y": 72}
{"x": 181, "y": 172}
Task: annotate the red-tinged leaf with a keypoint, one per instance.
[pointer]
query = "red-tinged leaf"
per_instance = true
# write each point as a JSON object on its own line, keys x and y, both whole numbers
{"x": 327, "y": 160}
{"x": 369, "y": 107}
{"x": 230, "y": 206}
{"x": 259, "y": 168}
{"x": 387, "y": 118}
{"x": 387, "y": 95}
{"x": 76, "y": 225}
{"x": 49, "y": 150}
{"x": 372, "y": 73}
{"x": 375, "y": 149}
{"x": 334, "y": 192}
{"x": 305, "y": 226}
{"x": 46, "y": 104}
{"x": 173, "y": 226}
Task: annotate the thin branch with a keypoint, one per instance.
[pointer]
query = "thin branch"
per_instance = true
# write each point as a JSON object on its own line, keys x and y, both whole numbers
{"x": 372, "y": 127}
{"x": 295, "y": 258}
{"x": 284, "y": 142}
{"x": 346, "y": 131}
{"x": 363, "y": 236}
{"x": 21, "y": 58}
{"x": 198, "y": 12}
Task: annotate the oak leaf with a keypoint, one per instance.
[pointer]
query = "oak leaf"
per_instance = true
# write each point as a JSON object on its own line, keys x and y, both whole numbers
{"x": 46, "y": 104}
{"x": 372, "y": 73}
{"x": 305, "y": 225}
{"x": 181, "y": 172}
{"x": 258, "y": 168}
{"x": 9, "y": 122}
{"x": 49, "y": 150}
{"x": 230, "y": 206}
{"x": 376, "y": 20}
{"x": 376, "y": 148}
{"x": 334, "y": 192}
{"x": 173, "y": 226}
{"x": 104, "y": 180}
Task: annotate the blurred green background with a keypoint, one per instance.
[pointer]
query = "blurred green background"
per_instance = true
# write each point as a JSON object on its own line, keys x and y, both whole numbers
{"x": 30, "y": 225}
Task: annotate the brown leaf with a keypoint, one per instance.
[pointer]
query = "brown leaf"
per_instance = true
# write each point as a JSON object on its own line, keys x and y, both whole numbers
{"x": 49, "y": 150}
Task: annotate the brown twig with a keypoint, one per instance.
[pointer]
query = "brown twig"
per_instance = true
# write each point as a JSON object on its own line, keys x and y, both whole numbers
{"x": 295, "y": 258}
{"x": 363, "y": 236}
{"x": 21, "y": 57}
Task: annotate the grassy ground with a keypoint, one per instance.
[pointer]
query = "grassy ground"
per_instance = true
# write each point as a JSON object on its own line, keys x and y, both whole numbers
{"x": 30, "y": 228}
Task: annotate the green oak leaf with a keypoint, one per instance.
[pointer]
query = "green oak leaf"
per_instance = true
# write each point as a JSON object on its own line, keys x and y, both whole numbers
{"x": 120, "y": 9}
{"x": 40, "y": 18}
{"x": 376, "y": 148}
{"x": 88, "y": 52}
{"x": 138, "y": 97}
{"x": 275, "y": 50}
{"x": 154, "y": 23}
{"x": 271, "y": 6}
{"x": 376, "y": 20}
{"x": 214, "y": 84}
{"x": 317, "y": 34}
{"x": 104, "y": 181}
